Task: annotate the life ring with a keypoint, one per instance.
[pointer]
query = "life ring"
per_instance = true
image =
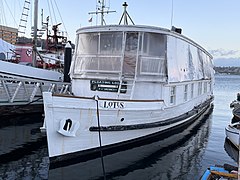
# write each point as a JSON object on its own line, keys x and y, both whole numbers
{"x": 29, "y": 52}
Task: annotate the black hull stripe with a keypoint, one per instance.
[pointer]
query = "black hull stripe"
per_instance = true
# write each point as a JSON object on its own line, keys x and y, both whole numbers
{"x": 231, "y": 131}
{"x": 182, "y": 117}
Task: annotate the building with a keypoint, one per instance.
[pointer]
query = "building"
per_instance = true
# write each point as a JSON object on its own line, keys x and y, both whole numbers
{"x": 8, "y": 34}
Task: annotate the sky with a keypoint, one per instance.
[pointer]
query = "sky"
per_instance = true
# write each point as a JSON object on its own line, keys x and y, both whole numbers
{"x": 214, "y": 24}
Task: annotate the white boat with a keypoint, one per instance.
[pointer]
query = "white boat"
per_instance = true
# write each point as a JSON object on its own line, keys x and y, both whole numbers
{"x": 235, "y": 105}
{"x": 233, "y": 129}
{"x": 129, "y": 83}
{"x": 232, "y": 133}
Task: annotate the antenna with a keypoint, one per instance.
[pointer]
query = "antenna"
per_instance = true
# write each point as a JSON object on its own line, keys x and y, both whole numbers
{"x": 125, "y": 15}
{"x": 172, "y": 15}
{"x": 101, "y": 10}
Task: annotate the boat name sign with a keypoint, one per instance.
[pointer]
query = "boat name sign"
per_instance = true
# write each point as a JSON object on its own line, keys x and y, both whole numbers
{"x": 113, "y": 105}
{"x": 107, "y": 85}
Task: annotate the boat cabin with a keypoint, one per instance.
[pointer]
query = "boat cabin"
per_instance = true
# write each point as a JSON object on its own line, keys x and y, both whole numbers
{"x": 138, "y": 62}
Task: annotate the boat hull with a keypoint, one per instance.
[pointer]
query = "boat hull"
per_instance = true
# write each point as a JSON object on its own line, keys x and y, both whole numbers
{"x": 232, "y": 134}
{"x": 94, "y": 128}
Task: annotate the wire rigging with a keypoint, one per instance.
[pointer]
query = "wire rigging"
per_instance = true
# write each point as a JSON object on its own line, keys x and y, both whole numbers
{"x": 53, "y": 12}
{"x": 50, "y": 13}
{"x": 61, "y": 19}
{"x": 11, "y": 13}
{"x": 2, "y": 14}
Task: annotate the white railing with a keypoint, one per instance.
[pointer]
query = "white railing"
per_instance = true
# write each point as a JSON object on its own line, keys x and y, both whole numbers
{"x": 22, "y": 91}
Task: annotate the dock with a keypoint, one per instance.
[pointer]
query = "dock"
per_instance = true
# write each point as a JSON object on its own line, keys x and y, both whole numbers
{"x": 24, "y": 94}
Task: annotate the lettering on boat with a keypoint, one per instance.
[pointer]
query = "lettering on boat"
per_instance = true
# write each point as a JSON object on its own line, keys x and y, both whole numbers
{"x": 107, "y": 85}
{"x": 113, "y": 105}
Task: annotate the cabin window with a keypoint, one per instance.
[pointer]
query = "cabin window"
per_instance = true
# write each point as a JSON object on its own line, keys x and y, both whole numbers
{"x": 185, "y": 92}
{"x": 199, "y": 88}
{"x": 173, "y": 95}
{"x": 88, "y": 43}
{"x": 111, "y": 43}
{"x": 153, "y": 44}
{"x": 152, "y": 54}
{"x": 192, "y": 90}
{"x": 210, "y": 86}
{"x": 205, "y": 87}
{"x": 99, "y": 52}
{"x": 152, "y": 66}
{"x": 130, "y": 53}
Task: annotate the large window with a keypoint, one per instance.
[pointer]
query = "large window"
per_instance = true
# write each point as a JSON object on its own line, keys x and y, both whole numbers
{"x": 153, "y": 44}
{"x": 88, "y": 43}
{"x": 99, "y": 52}
{"x": 173, "y": 95}
{"x": 111, "y": 43}
{"x": 152, "y": 54}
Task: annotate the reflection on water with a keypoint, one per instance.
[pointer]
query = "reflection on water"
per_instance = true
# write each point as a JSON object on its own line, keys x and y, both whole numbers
{"x": 23, "y": 150}
{"x": 186, "y": 155}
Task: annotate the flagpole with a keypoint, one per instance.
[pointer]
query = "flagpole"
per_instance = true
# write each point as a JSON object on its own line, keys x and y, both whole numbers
{"x": 172, "y": 15}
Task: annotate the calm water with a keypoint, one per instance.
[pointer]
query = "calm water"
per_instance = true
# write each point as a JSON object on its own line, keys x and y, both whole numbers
{"x": 23, "y": 149}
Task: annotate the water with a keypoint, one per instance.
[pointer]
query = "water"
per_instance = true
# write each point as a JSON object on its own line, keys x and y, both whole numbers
{"x": 23, "y": 149}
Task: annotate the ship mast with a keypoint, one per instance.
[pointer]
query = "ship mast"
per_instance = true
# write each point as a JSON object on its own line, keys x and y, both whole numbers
{"x": 125, "y": 15}
{"x": 101, "y": 10}
{"x": 34, "y": 57}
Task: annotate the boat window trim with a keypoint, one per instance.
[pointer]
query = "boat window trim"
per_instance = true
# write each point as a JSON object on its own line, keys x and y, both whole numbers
{"x": 192, "y": 90}
{"x": 199, "y": 88}
{"x": 186, "y": 92}
{"x": 205, "y": 87}
{"x": 173, "y": 95}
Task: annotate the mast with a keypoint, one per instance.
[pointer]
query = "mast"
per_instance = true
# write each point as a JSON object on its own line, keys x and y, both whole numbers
{"x": 125, "y": 15}
{"x": 34, "y": 57}
{"x": 102, "y": 11}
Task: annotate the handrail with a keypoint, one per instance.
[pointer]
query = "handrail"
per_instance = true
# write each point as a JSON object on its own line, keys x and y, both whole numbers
{"x": 15, "y": 90}
{"x": 109, "y": 99}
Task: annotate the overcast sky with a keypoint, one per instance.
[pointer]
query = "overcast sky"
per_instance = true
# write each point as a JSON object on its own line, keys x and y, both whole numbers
{"x": 214, "y": 24}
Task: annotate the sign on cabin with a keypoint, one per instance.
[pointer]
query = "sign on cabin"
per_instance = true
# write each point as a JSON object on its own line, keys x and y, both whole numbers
{"x": 107, "y": 85}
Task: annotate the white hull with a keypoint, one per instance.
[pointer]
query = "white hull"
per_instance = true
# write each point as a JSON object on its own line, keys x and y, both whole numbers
{"x": 192, "y": 140}
{"x": 141, "y": 119}
{"x": 232, "y": 133}
{"x": 22, "y": 71}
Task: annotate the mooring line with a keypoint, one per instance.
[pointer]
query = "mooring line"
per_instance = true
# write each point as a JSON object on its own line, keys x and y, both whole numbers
{"x": 100, "y": 139}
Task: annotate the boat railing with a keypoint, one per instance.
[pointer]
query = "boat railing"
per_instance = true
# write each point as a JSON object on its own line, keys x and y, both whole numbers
{"x": 24, "y": 90}
{"x": 152, "y": 65}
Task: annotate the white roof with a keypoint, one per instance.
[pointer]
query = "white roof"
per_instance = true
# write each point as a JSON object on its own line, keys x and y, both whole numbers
{"x": 6, "y": 48}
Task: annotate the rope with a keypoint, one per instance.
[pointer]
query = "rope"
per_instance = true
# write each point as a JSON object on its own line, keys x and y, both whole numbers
{"x": 99, "y": 136}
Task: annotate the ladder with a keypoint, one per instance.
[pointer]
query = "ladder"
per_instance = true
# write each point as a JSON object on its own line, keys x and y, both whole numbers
{"x": 126, "y": 87}
{"x": 24, "y": 17}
